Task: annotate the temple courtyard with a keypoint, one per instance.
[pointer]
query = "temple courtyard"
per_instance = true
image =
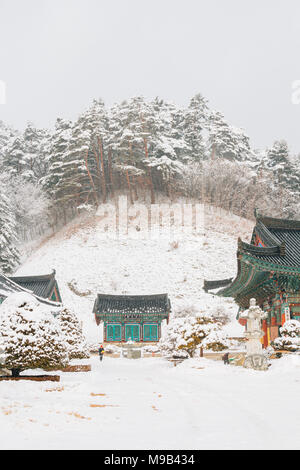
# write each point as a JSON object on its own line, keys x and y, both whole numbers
{"x": 150, "y": 404}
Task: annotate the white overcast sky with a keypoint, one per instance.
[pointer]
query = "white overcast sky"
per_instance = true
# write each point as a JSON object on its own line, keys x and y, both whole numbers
{"x": 243, "y": 55}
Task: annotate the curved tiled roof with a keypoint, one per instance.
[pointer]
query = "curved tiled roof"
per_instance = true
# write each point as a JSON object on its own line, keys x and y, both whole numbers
{"x": 39, "y": 285}
{"x": 139, "y": 304}
{"x": 271, "y": 222}
{"x": 279, "y": 254}
{"x": 282, "y": 242}
{"x": 9, "y": 286}
{"x": 210, "y": 285}
{"x": 262, "y": 231}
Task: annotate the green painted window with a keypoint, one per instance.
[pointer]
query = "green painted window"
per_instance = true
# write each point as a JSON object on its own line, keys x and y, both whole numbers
{"x": 132, "y": 332}
{"x": 113, "y": 332}
{"x": 151, "y": 332}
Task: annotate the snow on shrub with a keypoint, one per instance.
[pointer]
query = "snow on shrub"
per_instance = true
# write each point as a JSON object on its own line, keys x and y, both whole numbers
{"x": 149, "y": 348}
{"x": 188, "y": 334}
{"x": 290, "y": 336}
{"x": 93, "y": 347}
{"x": 72, "y": 331}
{"x": 216, "y": 340}
{"x": 111, "y": 349}
{"x": 30, "y": 336}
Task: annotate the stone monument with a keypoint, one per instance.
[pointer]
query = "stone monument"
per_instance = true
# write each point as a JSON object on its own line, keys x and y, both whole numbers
{"x": 132, "y": 350}
{"x": 254, "y": 357}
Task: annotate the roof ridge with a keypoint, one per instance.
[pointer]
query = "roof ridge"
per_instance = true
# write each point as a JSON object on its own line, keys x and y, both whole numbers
{"x": 34, "y": 283}
{"x": 266, "y": 235}
{"x": 40, "y": 277}
{"x": 107, "y": 304}
{"x": 126, "y": 296}
{"x": 209, "y": 285}
{"x": 274, "y": 222}
{"x": 19, "y": 288}
{"x": 244, "y": 247}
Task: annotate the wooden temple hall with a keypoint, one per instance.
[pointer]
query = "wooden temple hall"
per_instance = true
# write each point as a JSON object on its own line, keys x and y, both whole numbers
{"x": 269, "y": 271}
{"x": 132, "y": 317}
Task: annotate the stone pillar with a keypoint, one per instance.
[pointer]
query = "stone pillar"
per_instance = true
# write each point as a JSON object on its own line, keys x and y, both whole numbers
{"x": 254, "y": 358}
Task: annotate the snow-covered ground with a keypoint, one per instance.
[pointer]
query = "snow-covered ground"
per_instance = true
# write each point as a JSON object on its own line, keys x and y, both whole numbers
{"x": 150, "y": 404}
{"x": 87, "y": 263}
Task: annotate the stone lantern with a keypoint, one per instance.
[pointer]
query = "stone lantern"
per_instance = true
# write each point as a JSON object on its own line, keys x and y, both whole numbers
{"x": 254, "y": 357}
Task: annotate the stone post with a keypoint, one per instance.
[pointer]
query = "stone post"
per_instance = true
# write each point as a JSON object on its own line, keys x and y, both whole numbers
{"x": 254, "y": 357}
{"x": 133, "y": 351}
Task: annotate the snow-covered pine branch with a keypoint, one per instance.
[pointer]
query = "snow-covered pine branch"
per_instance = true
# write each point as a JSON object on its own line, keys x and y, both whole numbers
{"x": 30, "y": 336}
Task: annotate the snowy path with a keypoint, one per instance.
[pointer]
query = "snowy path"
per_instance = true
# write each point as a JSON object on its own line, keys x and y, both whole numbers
{"x": 151, "y": 404}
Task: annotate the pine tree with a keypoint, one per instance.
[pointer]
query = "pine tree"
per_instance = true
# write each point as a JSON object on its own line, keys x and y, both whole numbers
{"x": 126, "y": 143}
{"x": 226, "y": 141}
{"x": 72, "y": 331}
{"x": 26, "y": 154}
{"x": 284, "y": 178}
{"x": 78, "y": 184}
{"x": 9, "y": 256}
{"x": 30, "y": 336}
{"x": 7, "y": 135}
{"x": 195, "y": 121}
{"x": 58, "y": 154}
{"x": 33, "y": 156}
{"x": 167, "y": 146}
{"x": 14, "y": 157}
{"x": 278, "y": 161}
{"x": 96, "y": 122}
{"x": 68, "y": 181}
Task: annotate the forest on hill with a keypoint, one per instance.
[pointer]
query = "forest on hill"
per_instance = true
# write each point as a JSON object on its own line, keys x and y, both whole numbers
{"x": 142, "y": 148}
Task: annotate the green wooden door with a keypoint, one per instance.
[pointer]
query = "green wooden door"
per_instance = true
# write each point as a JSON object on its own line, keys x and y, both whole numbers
{"x": 132, "y": 332}
{"x": 113, "y": 332}
{"x": 151, "y": 332}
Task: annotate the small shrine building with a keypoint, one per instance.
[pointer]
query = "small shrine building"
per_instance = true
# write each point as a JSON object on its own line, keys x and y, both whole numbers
{"x": 268, "y": 269}
{"x": 132, "y": 317}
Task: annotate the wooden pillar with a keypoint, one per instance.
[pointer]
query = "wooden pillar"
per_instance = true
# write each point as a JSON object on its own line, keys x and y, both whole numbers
{"x": 265, "y": 330}
{"x": 123, "y": 331}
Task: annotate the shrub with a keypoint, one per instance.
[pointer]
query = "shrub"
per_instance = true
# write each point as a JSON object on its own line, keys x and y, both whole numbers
{"x": 30, "y": 336}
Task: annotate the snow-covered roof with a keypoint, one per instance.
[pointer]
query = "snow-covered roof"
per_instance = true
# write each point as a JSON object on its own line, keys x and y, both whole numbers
{"x": 8, "y": 286}
{"x": 41, "y": 286}
{"x": 124, "y": 304}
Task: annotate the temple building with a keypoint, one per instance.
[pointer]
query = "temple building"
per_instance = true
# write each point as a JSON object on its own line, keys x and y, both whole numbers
{"x": 132, "y": 317}
{"x": 44, "y": 288}
{"x": 269, "y": 271}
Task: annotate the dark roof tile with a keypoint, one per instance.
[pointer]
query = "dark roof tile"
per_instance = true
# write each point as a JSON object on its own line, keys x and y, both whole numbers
{"x": 41, "y": 286}
{"x": 139, "y": 304}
